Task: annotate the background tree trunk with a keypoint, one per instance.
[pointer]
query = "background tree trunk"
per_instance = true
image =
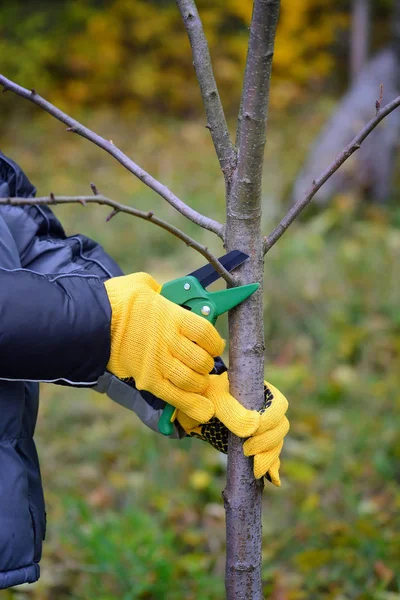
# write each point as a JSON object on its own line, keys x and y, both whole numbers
{"x": 360, "y": 33}
{"x": 369, "y": 174}
{"x": 396, "y": 38}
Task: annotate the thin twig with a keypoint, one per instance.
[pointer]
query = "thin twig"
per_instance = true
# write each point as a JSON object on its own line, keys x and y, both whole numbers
{"x": 109, "y": 146}
{"x": 354, "y": 145}
{"x": 378, "y": 103}
{"x": 216, "y": 121}
{"x": 117, "y": 208}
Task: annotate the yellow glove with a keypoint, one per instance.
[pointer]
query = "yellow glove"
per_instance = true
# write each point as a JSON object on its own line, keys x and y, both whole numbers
{"x": 166, "y": 349}
{"x": 228, "y": 410}
{"x": 265, "y": 444}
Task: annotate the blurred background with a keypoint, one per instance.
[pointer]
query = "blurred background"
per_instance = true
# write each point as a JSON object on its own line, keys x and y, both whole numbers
{"x": 132, "y": 515}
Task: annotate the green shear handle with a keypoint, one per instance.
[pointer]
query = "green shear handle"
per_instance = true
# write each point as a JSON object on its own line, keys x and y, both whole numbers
{"x": 189, "y": 293}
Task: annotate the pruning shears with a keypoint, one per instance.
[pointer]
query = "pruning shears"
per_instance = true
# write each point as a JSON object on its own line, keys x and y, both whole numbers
{"x": 190, "y": 293}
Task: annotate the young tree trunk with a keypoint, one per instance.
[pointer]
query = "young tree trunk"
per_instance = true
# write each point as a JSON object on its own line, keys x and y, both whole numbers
{"x": 243, "y": 493}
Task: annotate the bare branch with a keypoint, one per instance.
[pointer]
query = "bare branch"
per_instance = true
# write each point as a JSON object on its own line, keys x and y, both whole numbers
{"x": 117, "y": 208}
{"x": 252, "y": 121}
{"x": 122, "y": 158}
{"x": 94, "y": 188}
{"x": 216, "y": 121}
{"x": 354, "y": 145}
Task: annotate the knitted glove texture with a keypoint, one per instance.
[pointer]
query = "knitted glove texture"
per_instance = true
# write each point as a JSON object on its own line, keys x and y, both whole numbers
{"x": 266, "y": 441}
{"x": 164, "y": 348}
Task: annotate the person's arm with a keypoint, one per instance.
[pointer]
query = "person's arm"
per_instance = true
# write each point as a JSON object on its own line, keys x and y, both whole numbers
{"x": 44, "y": 247}
{"x": 40, "y": 239}
{"x": 53, "y": 328}
{"x": 147, "y": 407}
{"x": 59, "y": 327}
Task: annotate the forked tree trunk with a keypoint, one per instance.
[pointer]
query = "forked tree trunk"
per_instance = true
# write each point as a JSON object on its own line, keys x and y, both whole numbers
{"x": 243, "y": 493}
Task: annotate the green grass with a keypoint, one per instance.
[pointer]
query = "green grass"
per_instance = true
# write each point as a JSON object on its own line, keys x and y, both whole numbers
{"x": 134, "y": 516}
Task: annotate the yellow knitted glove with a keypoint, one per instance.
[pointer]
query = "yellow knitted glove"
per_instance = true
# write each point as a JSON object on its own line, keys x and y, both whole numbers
{"x": 228, "y": 410}
{"x": 265, "y": 444}
{"x": 166, "y": 349}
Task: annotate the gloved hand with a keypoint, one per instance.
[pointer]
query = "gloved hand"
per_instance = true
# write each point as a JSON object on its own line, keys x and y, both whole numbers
{"x": 265, "y": 443}
{"x": 166, "y": 349}
{"x": 238, "y": 419}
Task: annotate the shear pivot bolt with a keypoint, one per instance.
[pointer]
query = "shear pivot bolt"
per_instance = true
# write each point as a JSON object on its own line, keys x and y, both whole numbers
{"x": 186, "y": 286}
{"x": 205, "y": 310}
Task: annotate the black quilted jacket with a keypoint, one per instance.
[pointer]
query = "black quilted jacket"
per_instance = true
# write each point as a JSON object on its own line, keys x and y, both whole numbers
{"x": 54, "y": 326}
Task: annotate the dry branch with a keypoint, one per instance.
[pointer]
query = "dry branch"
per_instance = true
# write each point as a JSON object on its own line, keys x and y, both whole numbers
{"x": 354, "y": 145}
{"x": 76, "y": 127}
{"x": 216, "y": 121}
{"x": 121, "y": 208}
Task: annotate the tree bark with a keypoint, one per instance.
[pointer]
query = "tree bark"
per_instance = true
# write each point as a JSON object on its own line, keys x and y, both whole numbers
{"x": 243, "y": 494}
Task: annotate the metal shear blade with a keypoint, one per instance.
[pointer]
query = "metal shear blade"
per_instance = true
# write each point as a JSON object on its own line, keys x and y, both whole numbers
{"x": 207, "y": 274}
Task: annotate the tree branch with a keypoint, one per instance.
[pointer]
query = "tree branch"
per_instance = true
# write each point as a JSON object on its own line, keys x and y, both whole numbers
{"x": 354, "y": 145}
{"x": 252, "y": 120}
{"x": 122, "y": 158}
{"x": 216, "y": 121}
{"x": 117, "y": 208}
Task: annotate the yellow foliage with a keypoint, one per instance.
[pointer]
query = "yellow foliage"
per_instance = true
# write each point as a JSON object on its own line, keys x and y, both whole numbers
{"x": 304, "y": 44}
{"x": 137, "y": 55}
{"x": 311, "y": 560}
{"x": 200, "y": 480}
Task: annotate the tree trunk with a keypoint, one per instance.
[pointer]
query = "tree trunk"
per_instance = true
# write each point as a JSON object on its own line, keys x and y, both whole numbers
{"x": 370, "y": 172}
{"x": 243, "y": 493}
{"x": 360, "y": 30}
{"x": 396, "y": 39}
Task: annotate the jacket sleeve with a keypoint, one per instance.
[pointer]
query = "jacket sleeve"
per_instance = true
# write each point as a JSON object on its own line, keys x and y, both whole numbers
{"x": 40, "y": 239}
{"x": 147, "y": 407}
{"x": 43, "y": 246}
{"x": 53, "y": 327}
{"x": 71, "y": 346}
